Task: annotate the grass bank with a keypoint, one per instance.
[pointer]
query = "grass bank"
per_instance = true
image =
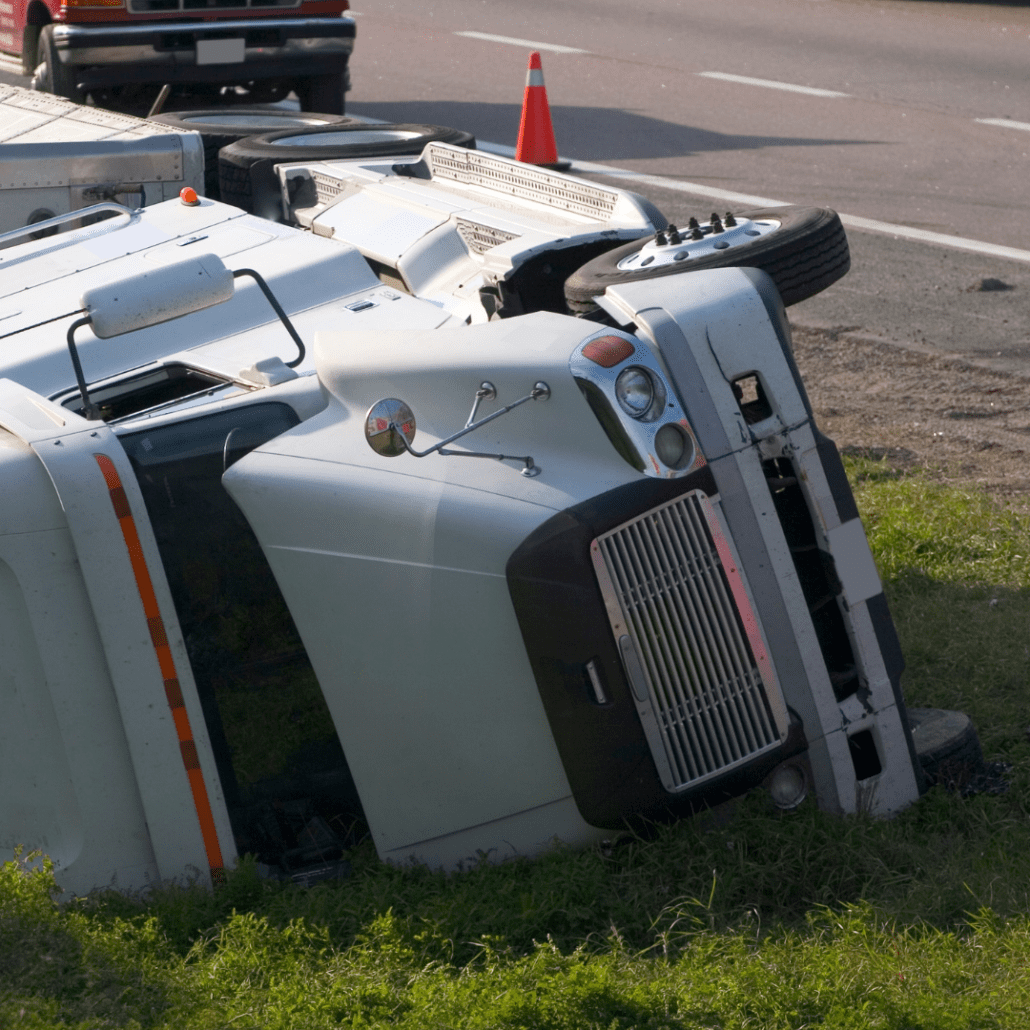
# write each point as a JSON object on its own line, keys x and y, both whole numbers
{"x": 768, "y": 920}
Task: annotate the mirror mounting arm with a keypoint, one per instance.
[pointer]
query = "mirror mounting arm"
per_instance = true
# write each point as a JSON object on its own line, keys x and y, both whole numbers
{"x": 486, "y": 391}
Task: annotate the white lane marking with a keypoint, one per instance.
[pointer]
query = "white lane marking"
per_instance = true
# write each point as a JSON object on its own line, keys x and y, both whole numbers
{"x": 698, "y": 190}
{"x": 851, "y": 221}
{"x": 554, "y": 48}
{"x": 676, "y": 184}
{"x": 1003, "y": 123}
{"x": 941, "y": 239}
{"x": 650, "y": 180}
{"x": 770, "y": 84}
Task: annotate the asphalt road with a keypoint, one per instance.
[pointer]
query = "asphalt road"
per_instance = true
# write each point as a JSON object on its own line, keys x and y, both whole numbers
{"x": 909, "y": 113}
{"x": 907, "y": 143}
{"x": 901, "y": 143}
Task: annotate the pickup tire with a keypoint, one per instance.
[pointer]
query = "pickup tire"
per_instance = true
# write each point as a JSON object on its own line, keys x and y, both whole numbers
{"x": 50, "y": 75}
{"x": 246, "y": 169}
{"x": 804, "y": 255}
{"x": 220, "y": 127}
{"x": 322, "y": 93}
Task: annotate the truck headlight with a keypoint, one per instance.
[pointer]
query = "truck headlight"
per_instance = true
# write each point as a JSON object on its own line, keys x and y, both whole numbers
{"x": 673, "y": 447}
{"x": 637, "y": 393}
{"x": 638, "y": 408}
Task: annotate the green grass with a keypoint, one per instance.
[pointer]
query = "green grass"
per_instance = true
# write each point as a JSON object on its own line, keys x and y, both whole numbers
{"x": 766, "y": 920}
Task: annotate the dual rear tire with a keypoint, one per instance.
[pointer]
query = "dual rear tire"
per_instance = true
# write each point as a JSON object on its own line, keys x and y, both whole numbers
{"x": 219, "y": 127}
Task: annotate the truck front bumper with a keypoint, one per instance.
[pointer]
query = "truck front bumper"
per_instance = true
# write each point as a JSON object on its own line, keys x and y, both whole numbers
{"x": 228, "y": 51}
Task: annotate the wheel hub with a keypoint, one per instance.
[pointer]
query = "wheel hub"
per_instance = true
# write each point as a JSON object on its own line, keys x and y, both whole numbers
{"x": 672, "y": 246}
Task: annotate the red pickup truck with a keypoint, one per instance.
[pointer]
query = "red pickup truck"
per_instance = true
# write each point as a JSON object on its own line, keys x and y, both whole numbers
{"x": 112, "y": 48}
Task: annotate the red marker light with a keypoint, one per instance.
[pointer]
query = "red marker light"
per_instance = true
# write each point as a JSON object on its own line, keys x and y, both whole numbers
{"x": 608, "y": 351}
{"x": 188, "y": 196}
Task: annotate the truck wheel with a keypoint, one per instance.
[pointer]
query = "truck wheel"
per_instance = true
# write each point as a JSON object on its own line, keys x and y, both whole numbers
{"x": 246, "y": 169}
{"x": 804, "y": 250}
{"x": 50, "y": 75}
{"x": 947, "y": 746}
{"x": 322, "y": 93}
{"x": 220, "y": 127}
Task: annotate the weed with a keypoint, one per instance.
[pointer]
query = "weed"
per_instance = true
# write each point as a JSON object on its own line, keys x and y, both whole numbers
{"x": 768, "y": 919}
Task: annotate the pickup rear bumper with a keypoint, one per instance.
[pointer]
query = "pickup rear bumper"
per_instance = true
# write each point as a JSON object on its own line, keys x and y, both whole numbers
{"x": 204, "y": 51}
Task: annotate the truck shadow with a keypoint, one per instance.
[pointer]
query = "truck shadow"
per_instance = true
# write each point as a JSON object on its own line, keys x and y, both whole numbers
{"x": 588, "y": 133}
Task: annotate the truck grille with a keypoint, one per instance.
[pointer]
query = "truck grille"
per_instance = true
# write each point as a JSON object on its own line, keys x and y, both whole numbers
{"x": 675, "y": 599}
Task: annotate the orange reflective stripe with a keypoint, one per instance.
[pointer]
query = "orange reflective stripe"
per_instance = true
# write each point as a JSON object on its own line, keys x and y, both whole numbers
{"x": 159, "y": 639}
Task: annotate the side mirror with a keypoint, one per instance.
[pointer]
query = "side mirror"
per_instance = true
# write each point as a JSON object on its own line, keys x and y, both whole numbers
{"x": 389, "y": 424}
{"x": 390, "y": 428}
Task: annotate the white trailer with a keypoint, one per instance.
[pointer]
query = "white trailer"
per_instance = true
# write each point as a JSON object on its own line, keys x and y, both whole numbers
{"x": 57, "y": 156}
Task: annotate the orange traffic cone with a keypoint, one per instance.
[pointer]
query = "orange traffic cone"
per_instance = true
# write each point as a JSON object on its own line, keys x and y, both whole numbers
{"x": 536, "y": 136}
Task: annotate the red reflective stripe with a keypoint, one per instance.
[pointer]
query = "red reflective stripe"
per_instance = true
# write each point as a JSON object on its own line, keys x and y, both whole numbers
{"x": 737, "y": 589}
{"x": 159, "y": 640}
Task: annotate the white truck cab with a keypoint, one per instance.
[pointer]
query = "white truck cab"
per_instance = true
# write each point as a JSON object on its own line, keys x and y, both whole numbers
{"x": 270, "y": 579}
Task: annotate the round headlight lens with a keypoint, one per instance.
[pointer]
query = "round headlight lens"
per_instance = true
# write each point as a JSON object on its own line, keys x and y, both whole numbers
{"x": 673, "y": 448}
{"x": 634, "y": 391}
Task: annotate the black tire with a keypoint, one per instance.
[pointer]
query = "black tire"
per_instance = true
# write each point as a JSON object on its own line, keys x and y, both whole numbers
{"x": 50, "y": 75}
{"x": 246, "y": 175}
{"x": 807, "y": 253}
{"x": 29, "y": 46}
{"x": 322, "y": 92}
{"x": 222, "y": 126}
{"x": 947, "y": 746}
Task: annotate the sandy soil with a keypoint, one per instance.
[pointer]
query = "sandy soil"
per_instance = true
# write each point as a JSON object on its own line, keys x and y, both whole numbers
{"x": 960, "y": 422}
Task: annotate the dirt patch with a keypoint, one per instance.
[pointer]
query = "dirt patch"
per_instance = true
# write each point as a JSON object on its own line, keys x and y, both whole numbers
{"x": 959, "y": 422}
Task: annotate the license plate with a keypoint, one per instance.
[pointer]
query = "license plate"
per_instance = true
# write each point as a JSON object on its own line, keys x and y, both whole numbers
{"x": 220, "y": 51}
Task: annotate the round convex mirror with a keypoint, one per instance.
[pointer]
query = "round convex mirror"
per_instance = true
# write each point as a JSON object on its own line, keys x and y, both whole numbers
{"x": 385, "y": 422}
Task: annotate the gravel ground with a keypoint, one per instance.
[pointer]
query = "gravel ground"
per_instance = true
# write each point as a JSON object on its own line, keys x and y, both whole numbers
{"x": 959, "y": 421}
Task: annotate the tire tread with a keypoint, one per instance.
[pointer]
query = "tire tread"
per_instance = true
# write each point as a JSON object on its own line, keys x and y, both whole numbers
{"x": 810, "y": 256}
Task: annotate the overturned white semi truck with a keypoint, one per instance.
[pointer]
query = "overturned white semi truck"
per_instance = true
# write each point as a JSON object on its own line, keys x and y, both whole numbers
{"x": 289, "y": 548}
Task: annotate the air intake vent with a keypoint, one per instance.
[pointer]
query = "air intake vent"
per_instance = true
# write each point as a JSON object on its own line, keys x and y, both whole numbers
{"x": 327, "y": 189}
{"x": 481, "y": 238}
{"x": 674, "y": 599}
{"x": 560, "y": 192}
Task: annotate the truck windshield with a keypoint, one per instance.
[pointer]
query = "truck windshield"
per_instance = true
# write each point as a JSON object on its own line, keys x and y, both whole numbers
{"x": 291, "y": 799}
